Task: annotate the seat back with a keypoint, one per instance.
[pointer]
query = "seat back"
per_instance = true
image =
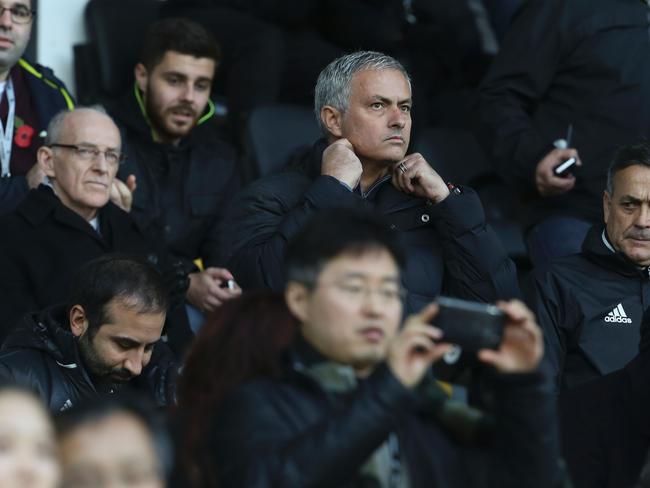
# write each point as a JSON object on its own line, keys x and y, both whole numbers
{"x": 115, "y": 29}
{"x": 273, "y": 133}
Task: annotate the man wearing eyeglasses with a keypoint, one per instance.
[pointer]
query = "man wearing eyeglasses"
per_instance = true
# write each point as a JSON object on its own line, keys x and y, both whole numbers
{"x": 30, "y": 96}
{"x": 70, "y": 220}
{"x": 352, "y": 405}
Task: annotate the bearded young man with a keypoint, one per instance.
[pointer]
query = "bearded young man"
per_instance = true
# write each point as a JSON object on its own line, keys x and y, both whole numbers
{"x": 184, "y": 174}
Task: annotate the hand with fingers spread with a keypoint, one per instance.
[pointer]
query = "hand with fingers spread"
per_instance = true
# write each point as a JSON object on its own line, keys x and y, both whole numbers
{"x": 522, "y": 346}
{"x": 547, "y": 182}
{"x": 208, "y": 288}
{"x": 340, "y": 162}
{"x": 413, "y": 349}
{"x": 122, "y": 192}
{"x": 414, "y": 176}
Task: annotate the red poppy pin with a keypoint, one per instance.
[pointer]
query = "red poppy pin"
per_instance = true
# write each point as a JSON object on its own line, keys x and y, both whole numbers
{"x": 23, "y": 136}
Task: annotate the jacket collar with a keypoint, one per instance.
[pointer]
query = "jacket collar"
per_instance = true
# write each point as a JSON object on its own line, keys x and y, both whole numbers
{"x": 599, "y": 249}
{"x": 42, "y": 204}
{"x": 47, "y": 331}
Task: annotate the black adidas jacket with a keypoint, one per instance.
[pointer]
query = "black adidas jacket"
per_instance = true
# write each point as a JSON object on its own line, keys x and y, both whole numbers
{"x": 590, "y": 306}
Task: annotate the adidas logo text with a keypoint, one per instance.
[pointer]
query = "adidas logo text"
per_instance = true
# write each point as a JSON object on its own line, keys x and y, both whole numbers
{"x": 618, "y": 316}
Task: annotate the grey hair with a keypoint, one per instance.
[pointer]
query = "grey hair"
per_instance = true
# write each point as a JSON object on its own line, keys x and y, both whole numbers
{"x": 333, "y": 84}
{"x": 55, "y": 127}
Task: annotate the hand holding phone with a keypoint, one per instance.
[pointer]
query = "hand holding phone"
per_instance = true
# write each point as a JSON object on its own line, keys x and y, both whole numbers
{"x": 471, "y": 325}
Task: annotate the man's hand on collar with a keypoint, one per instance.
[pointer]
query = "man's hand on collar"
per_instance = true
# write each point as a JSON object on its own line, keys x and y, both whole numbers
{"x": 340, "y": 162}
{"x": 414, "y": 176}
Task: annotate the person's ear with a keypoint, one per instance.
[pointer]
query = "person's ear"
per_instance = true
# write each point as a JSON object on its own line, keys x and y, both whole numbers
{"x": 297, "y": 297}
{"x": 332, "y": 119}
{"x": 607, "y": 205}
{"x": 45, "y": 159}
{"x": 78, "y": 320}
{"x": 141, "y": 76}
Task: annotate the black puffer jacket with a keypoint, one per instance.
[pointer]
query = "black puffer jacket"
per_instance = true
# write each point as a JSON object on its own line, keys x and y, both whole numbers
{"x": 450, "y": 248}
{"x": 42, "y": 354}
{"x": 590, "y": 307}
{"x": 290, "y": 432}
{"x": 567, "y": 62}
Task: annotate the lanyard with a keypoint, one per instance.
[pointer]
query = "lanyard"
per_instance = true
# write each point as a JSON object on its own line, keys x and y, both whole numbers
{"x": 7, "y": 132}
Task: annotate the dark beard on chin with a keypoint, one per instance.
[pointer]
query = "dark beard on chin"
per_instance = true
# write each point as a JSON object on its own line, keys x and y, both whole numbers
{"x": 97, "y": 367}
{"x": 156, "y": 119}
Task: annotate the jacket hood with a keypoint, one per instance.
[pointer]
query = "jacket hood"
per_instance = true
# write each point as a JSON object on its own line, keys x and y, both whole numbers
{"x": 46, "y": 331}
{"x": 129, "y": 111}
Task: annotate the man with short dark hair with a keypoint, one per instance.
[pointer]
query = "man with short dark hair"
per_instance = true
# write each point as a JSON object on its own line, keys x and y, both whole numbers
{"x": 185, "y": 174}
{"x": 363, "y": 104}
{"x": 30, "y": 95}
{"x": 353, "y": 404}
{"x": 591, "y": 305}
{"x": 101, "y": 341}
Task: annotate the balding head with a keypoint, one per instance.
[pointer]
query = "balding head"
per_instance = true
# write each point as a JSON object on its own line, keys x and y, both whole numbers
{"x": 81, "y": 178}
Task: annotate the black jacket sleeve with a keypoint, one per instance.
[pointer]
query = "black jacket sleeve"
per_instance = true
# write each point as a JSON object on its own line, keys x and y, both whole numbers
{"x": 554, "y": 314}
{"x": 477, "y": 266}
{"x": 261, "y": 221}
{"x": 257, "y": 445}
{"x": 527, "y": 447}
{"x": 210, "y": 251}
{"x": 518, "y": 78}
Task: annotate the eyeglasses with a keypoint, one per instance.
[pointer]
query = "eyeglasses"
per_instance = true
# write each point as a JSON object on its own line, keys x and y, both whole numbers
{"x": 388, "y": 293}
{"x": 20, "y": 14}
{"x": 90, "y": 153}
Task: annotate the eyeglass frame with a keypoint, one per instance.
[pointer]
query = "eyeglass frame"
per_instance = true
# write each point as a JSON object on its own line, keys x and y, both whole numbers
{"x": 32, "y": 13}
{"x": 365, "y": 292}
{"x": 95, "y": 151}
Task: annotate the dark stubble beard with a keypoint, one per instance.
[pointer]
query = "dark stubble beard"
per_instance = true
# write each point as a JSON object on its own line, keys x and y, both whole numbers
{"x": 97, "y": 366}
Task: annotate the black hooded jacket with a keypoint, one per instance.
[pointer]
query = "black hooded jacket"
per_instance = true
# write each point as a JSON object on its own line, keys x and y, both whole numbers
{"x": 590, "y": 307}
{"x": 42, "y": 354}
{"x": 182, "y": 190}
{"x": 449, "y": 246}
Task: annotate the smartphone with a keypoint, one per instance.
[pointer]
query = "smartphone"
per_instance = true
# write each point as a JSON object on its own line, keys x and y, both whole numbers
{"x": 471, "y": 325}
{"x": 230, "y": 284}
{"x": 563, "y": 169}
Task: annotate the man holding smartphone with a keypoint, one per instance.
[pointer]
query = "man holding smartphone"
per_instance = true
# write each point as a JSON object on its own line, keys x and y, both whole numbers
{"x": 352, "y": 405}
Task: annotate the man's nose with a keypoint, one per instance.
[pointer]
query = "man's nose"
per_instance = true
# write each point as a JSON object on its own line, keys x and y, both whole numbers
{"x": 134, "y": 362}
{"x": 398, "y": 117}
{"x": 188, "y": 92}
{"x": 643, "y": 217}
{"x": 100, "y": 164}
{"x": 372, "y": 302}
{"x": 5, "y": 18}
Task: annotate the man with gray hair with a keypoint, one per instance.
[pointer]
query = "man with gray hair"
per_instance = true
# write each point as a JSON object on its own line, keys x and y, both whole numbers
{"x": 70, "y": 220}
{"x": 593, "y": 330}
{"x": 363, "y": 104}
